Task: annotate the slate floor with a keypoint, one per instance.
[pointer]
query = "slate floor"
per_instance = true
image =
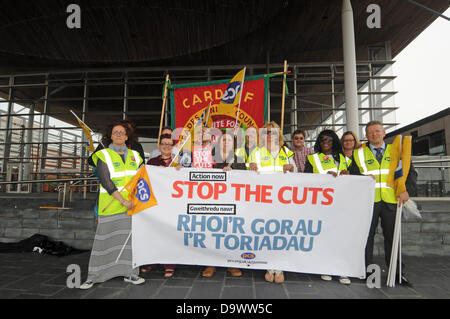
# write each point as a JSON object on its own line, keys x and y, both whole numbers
{"x": 34, "y": 276}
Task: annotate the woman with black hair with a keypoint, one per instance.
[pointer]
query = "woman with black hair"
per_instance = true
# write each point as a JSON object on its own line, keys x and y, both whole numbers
{"x": 328, "y": 159}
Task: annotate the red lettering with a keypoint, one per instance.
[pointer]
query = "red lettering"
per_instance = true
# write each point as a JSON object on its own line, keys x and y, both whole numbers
{"x": 295, "y": 196}
{"x": 256, "y": 192}
{"x": 328, "y": 196}
{"x": 200, "y": 190}
{"x": 219, "y": 188}
{"x": 266, "y": 193}
{"x": 280, "y": 194}
{"x": 238, "y": 190}
{"x": 315, "y": 190}
{"x": 191, "y": 188}
{"x": 178, "y": 189}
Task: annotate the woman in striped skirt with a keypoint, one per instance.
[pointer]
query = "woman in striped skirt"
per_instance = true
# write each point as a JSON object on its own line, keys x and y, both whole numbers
{"x": 111, "y": 254}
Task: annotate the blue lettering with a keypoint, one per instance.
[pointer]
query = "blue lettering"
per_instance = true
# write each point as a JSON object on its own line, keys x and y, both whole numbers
{"x": 272, "y": 222}
{"x": 199, "y": 239}
{"x": 186, "y": 238}
{"x": 286, "y": 225}
{"x": 245, "y": 243}
{"x": 183, "y": 221}
{"x": 210, "y": 226}
{"x": 302, "y": 244}
{"x": 237, "y": 223}
{"x": 227, "y": 242}
{"x": 218, "y": 237}
{"x": 301, "y": 227}
{"x": 253, "y": 227}
{"x": 195, "y": 223}
{"x": 265, "y": 243}
{"x": 319, "y": 227}
{"x": 292, "y": 243}
{"x": 276, "y": 239}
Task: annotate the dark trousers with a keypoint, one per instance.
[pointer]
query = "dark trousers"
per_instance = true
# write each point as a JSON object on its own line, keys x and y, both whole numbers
{"x": 386, "y": 212}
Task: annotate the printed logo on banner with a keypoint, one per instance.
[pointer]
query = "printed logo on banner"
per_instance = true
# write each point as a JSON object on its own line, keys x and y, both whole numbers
{"x": 248, "y": 256}
{"x": 231, "y": 93}
{"x": 143, "y": 191}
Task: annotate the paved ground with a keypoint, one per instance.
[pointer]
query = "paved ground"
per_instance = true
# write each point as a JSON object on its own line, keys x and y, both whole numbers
{"x": 30, "y": 275}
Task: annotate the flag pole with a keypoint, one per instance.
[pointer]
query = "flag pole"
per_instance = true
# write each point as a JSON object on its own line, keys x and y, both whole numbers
{"x": 240, "y": 98}
{"x": 189, "y": 136}
{"x": 123, "y": 247}
{"x": 284, "y": 95}
{"x": 166, "y": 84}
{"x": 400, "y": 249}
{"x": 395, "y": 248}
{"x": 81, "y": 120}
{"x": 92, "y": 132}
{"x": 207, "y": 116}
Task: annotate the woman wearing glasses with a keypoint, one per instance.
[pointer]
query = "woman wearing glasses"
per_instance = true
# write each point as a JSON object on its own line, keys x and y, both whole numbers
{"x": 132, "y": 141}
{"x": 350, "y": 142}
{"x": 116, "y": 166}
{"x": 272, "y": 156}
{"x": 328, "y": 159}
{"x": 299, "y": 149}
{"x": 165, "y": 146}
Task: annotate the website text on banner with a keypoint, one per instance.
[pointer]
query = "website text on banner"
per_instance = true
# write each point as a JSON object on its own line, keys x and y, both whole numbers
{"x": 295, "y": 222}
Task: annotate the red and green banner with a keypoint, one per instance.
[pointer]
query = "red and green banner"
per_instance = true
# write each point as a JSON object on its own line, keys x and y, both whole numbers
{"x": 188, "y": 101}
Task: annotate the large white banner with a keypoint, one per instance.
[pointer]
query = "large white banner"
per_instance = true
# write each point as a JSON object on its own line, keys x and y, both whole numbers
{"x": 307, "y": 223}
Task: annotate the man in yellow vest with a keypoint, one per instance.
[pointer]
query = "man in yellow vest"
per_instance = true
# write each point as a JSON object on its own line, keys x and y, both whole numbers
{"x": 373, "y": 159}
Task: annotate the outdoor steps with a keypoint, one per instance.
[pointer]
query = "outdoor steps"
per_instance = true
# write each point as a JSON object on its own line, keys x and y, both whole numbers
{"x": 20, "y": 218}
{"x": 427, "y": 237}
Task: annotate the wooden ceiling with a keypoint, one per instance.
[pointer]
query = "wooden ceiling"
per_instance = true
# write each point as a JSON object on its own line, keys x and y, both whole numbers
{"x": 34, "y": 34}
{"x": 172, "y": 33}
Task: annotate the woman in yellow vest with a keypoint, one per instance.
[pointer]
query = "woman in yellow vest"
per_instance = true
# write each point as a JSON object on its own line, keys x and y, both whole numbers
{"x": 328, "y": 159}
{"x": 350, "y": 142}
{"x": 116, "y": 167}
{"x": 272, "y": 156}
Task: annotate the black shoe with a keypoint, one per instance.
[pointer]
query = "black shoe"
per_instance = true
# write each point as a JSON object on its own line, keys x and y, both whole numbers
{"x": 405, "y": 282}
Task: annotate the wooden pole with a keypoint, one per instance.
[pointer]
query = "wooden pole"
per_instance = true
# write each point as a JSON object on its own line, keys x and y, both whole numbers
{"x": 284, "y": 95}
{"x": 239, "y": 106}
{"x": 163, "y": 105}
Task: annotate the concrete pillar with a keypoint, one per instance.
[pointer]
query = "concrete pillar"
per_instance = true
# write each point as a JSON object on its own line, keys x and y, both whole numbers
{"x": 351, "y": 89}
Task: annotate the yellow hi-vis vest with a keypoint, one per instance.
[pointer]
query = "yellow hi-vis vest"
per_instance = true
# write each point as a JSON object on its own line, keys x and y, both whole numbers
{"x": 322, "y": 164}
{"x": 240, "y": 152}
{"x": 265, "y": 161}
{"x": 368, "y": 165}
{"x": 120, "y": 173}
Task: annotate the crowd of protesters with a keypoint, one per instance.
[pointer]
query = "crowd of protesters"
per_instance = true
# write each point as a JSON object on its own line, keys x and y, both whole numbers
{"x": 260, "y": 150}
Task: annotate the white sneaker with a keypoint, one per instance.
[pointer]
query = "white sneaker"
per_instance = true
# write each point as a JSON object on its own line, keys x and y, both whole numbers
{"x": 326, "y": 277}
{"x": 87, "y": 285}
{"x": 345, "y": 281}
{"x": 135, "y": 280}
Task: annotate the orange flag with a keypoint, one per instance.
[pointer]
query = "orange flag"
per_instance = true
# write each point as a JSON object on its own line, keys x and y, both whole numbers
{"x": 140, "y": 192}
